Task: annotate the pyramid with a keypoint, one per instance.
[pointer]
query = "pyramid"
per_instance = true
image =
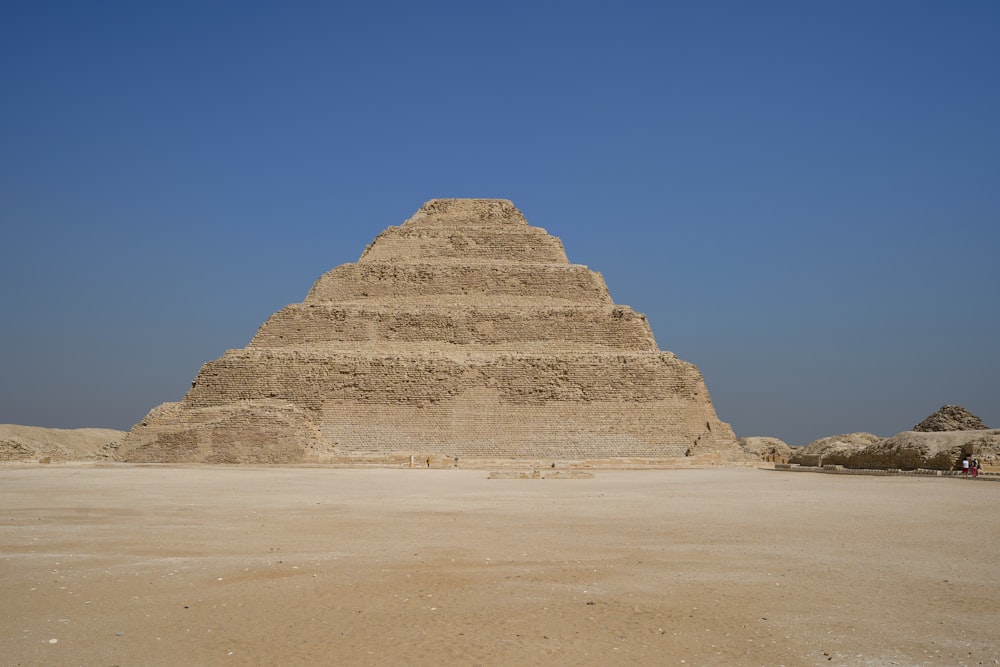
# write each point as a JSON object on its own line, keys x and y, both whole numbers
{"x": 464, "y": 332}
{"x": 951, "y": 418}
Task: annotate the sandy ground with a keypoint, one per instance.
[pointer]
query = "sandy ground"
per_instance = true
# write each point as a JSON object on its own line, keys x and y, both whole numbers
{"x": 209, "y": 565}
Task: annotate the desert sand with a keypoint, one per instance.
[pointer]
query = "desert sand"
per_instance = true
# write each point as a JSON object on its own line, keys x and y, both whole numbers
{"x": 213, "y": 565}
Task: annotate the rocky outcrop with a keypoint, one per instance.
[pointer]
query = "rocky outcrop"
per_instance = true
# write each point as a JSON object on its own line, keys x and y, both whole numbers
{"x": 465, "y": 332}
{"x": 951, "y": 418}
{"x": 769, "y": 450}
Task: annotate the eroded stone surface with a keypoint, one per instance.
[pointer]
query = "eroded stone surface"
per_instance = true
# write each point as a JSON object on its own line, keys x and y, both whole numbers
{"x": 35, "y": 443}
{"x": 465, "y": 332}
{"x": 767, "y": 449}
{"x": 951, "y": 418}
{"x": 833, "y": 450}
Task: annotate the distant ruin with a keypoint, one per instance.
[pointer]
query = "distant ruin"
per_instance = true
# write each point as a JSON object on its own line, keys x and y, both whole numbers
{"x": 939, "y": 442}
{"x": 465, "y": 332}
{"x": 951, "y": 418}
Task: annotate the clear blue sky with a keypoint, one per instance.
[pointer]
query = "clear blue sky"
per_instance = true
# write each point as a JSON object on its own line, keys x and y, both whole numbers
{"x": 803, "y": 197}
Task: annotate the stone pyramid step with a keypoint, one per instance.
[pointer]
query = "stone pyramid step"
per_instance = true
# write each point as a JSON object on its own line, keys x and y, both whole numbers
{"x": 461, "y": 284}
{"x": 410, "y": 328}
{"x": 473, "y": 244}
{"x": 312, "y": 378}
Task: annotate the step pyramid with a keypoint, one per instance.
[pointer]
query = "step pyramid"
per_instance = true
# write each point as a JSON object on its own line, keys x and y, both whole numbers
{"x": 464, "y": 332}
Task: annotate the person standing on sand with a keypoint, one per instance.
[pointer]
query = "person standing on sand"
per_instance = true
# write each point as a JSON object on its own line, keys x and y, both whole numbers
{"x": 974, "y": 466}
{"x": 965, "y": 466}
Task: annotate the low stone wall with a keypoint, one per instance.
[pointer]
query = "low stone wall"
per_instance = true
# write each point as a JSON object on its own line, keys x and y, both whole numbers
{"x": 918, "y": 472}
{"x": 540, "y": 474}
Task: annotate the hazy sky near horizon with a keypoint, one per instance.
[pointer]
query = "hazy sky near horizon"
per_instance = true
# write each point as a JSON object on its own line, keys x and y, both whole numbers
{"x": 803, "y": 197}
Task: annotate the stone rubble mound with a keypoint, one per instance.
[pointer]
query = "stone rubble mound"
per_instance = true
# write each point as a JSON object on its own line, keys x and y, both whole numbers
{"x": 951, "y": 418}
{"x": 767, "y": 449}
{"x": 833, "y": 450}
{"x": 935, "y": 450}
{"x": 937, "y": 443}
{"x": 464, "y": 332}
{"x": 31, "y": 444}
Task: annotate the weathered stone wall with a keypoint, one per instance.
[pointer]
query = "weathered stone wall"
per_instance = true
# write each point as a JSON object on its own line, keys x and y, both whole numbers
{"x": 909, "y": 450}
{"x": 240, "y": 431}
{"x": 464, "y": 332}
{"x": 455, "y": 329}
{"x": 461, "y": 284}
{"x": 311, "y": 378}
{"x": 439, "y": 242}
{"x": 832, "y": 450}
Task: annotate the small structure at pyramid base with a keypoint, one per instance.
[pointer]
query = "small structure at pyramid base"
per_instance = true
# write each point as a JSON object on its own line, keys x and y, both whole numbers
{"x": 464, "y": 333}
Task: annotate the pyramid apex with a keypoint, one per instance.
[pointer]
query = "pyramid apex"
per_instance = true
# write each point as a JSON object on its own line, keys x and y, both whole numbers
{"x": 470, "y": 210}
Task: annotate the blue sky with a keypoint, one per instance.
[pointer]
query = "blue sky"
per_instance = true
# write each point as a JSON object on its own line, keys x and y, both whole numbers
{"x": 803, "y": 197}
